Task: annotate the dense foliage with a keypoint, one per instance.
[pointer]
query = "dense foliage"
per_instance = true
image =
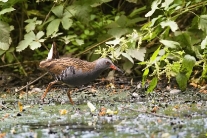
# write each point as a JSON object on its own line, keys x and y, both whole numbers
{"x": 165, "y": 37}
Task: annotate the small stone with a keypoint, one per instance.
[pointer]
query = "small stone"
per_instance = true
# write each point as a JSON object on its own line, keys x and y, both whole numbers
{"x": 135, "y": 95}
{"x": 175, "y": 91}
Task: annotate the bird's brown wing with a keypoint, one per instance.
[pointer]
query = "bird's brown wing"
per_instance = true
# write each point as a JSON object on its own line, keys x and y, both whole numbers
{"x": 56, "y": 66}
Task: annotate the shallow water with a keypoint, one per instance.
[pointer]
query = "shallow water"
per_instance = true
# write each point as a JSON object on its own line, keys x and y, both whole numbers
{"x": 132, "y": 115}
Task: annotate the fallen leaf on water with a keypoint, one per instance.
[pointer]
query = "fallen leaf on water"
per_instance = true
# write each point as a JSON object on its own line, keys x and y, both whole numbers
{"x": 154, "y": 109}
{"x": 63, "y": 111}
{"x": 111, "y": 112}
{"x": 102, "y": 111}
{"x": 91, "y": 106}
{"x": 20, "y": 106}
{"x": 2, "y": 135}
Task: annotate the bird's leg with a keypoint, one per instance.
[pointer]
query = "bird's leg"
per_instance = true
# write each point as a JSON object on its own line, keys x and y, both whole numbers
{"x": 69, "y": 97}
{"x": 48, "y": 89}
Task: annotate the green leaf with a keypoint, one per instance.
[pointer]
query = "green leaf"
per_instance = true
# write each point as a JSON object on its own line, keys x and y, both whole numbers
{"x": 23, "y": 44}
{"x": 153, "y": 33}
{"x": 170, "y": 44}
{"x": 31, "y": 36}
{"x": 117, "y": 32}
{"x": 144, "y": 76}
{"x": 202, "y": 23}
{"x": 187, "y": 65}
{"x": 204, "y": 43}
{"x": 34, "y": 45}
{"x": 137, "y": 11}
{"x": 139, "y": 54}
{"x": 5, "y": 39}
{"x": 32, "y": 24}
{"x": 53, "y": 27}
{"x": 153, "y": 7}
{"x": 122, "y": 21}
{"x": 182, "y": 81}
{"x": 9, "y": 57}
{"x": 185, "y": 41}
{"x": 58, "y": 11}
{"x": 4, "y": 46}
{"x": 66, "y": 22}
{"x": 79, "y": 41}
{"x": 166, "y": 4}
{"x": 155, "y": 19}
{"x": 6, "y": 10}
{"x": 70, "y": 11}
{"x": 154, "y": 55}
{"x": 152, "y": 85}
{"x": 128, "y": 57}
{"x": 173, "y": 25}
{"x": 2, "y": 52}
{"x": 39, "y": 34}
{"x": 28, "y": 38}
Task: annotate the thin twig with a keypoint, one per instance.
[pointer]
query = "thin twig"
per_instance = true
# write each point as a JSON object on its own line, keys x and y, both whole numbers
{"x": 32, "y": 82}
{"x": 12, "y": 64}
{"x": 93, "y": 46}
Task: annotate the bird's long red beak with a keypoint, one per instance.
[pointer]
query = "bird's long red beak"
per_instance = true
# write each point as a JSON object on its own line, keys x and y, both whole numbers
{"x": 115, "y": 68}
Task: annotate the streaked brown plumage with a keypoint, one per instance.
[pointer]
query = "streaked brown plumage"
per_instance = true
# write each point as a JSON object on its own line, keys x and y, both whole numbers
{"x": 74, "y": 71}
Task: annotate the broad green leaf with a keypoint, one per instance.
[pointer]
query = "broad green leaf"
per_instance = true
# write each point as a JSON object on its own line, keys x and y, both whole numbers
{"x": 5, "y": 39}
{"x": 128, "y": 57}
{"x": 182, "y": 81}
{"x": 39, "y": 34}
{"x": 173, "y": 25}
{"x": 189, "y": 61}
{"x": 58, "y": 11}
{"x": 152, "y": 85}
{"x": 32, "y": 24}
{"x": 202, "y": 23}
{"x": 117, "y": 32}
{"x": 66, "y": 22}
{"x": 79, "y": 41}
{"x": 23, "y": 45}
{"x": 4, "y": 46}
{"x": 30, "y": 27}
{"x": 30, "y": 36}
{"x": 139, "y": 54}
{"x": 154, "y": 55}
{"x": 6, "y": 10}
{"x": 185, "y": 41}
{"x": 53, "y": 27}
{"x": 122, "y": 21}
{"x": 34, "y": 45}
{"x": 154, "y": 6}
{"x": 187, "y": 65}
{"x": 166, "y": 4}
{"x": 70, "y": 11}
{"x": 169, "y": 43}
{"x": 204, "y": 43}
